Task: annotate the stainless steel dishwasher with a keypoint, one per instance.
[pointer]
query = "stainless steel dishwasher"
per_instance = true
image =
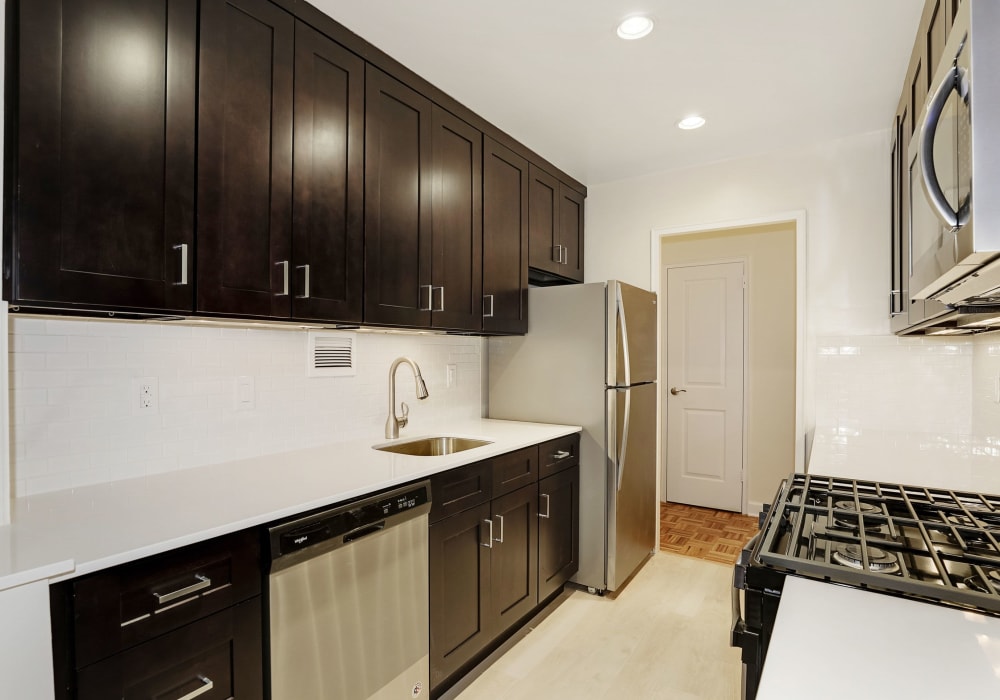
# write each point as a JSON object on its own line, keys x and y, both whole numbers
{"x": 348, "y": 601}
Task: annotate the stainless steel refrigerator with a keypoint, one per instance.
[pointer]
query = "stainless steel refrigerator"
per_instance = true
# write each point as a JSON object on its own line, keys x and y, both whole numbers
{"x": 589, "y": 359}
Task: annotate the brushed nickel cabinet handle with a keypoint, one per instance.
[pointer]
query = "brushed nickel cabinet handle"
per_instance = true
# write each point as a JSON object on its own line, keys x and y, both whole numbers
{"x": 430, "y": 295}
{"x": 441, "y": 307}
{"x": 183, "y": 247}
{"x": 305, "y": 282}
{"x": 206, "y": 685}
{"x": 561, "y": 454}
{"x": 546, "y": 513}
{"x": 489, "y": 539}
{"x": 284, "y": 281}
{"x": 488, "y": 314}
{"x": 500, "y": 518}
{"x": 201, "y": 584}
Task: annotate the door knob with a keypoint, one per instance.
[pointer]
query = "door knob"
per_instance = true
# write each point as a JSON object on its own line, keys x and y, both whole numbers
{"x": 674, "y": 390}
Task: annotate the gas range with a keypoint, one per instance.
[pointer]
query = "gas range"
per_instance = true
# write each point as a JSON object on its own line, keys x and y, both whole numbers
{"x": 934, "y": 545}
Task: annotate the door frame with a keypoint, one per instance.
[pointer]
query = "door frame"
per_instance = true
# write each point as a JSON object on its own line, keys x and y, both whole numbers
{"x": 662, "y": 468}
{"x": 796, "y": 217}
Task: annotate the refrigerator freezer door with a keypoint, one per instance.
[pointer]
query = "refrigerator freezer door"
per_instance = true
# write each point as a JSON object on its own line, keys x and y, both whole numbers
{"x": 631, "y": 479}
{"x": 631, "y": 335}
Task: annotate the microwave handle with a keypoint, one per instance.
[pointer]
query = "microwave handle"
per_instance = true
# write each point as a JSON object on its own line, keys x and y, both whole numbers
{"x": 932, "y": 187}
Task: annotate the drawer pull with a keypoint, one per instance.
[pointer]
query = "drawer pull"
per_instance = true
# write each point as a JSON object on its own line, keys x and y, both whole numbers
{"x": 561, "y": 454}
{"x": 206, "y": 685}
{"x": 203, "y": 583}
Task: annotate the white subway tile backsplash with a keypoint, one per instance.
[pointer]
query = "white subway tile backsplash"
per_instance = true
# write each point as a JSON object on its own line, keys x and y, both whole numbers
{"x": 911, "y": 384}
{"x": 75, "y": 420}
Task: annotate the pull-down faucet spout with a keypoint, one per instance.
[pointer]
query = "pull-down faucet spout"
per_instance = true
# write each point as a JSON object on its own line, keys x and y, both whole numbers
{"x": 394, "y": 423}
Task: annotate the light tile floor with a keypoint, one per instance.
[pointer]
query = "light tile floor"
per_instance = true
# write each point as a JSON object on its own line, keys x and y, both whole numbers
{"x": 666, "y": 635}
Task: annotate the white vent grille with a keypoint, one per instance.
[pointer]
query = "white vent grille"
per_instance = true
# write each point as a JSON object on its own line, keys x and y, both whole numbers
{"x": 331, "y": 354}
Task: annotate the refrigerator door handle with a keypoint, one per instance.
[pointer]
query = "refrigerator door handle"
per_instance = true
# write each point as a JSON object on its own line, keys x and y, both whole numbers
{"x": 624, "y": 329}
{"x": 624, "y": 444}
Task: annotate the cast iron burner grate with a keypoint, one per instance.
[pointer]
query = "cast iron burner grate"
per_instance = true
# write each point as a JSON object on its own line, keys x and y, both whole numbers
{"x": 934, "y": 544}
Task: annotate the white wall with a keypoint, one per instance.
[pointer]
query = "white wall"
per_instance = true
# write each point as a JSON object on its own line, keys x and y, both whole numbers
{"x": 857, "y": 374}
{"x": 72, "y": 415}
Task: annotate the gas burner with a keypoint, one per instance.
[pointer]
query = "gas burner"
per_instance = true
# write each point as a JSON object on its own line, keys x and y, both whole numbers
{"x": 879, "y": 560}
{"x": 849, "y": 520}
{"x": 976, "y": 584}
{"x": 961, "y": 520}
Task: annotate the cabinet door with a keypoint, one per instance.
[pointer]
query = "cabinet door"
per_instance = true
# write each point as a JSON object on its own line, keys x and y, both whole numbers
{"x": 459, "y": 561}
{"x": 505, "y": 240}
{"x": 328, "y": 208}
{"x": 221, "y": 656}
{"x": 571, "y": 232}
{"x": 398, "y": 249}
{"x": 457, "y": 213}
{"x": 558, "y": 530}
{"x": 245, "y": 158}
{"x": 543, "y": 222}
{"x": 514, "y": 560}
{"x": 104, "y": 179}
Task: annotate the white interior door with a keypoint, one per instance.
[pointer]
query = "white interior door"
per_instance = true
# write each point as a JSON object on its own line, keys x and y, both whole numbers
{"x": 704, "y": 386}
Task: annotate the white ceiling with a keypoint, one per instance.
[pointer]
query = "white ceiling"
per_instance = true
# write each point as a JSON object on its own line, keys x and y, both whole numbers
{"x": 767, "y": 74}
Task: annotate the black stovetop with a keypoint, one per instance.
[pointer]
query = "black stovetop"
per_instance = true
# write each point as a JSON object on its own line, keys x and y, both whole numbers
{"x": 936, "y": 544}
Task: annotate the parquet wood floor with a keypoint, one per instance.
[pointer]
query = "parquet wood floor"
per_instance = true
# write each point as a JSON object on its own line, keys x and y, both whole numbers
{"x": 704, "y": 533}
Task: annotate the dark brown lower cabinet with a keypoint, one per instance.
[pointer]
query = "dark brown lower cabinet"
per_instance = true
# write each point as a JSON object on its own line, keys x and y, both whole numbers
{"x": 484, "y": 578}
{"x": 219, "y": 655}
{"x": 459, "y": 590}
{"x": 182, "y": 624}
{"x": 558, "y": 530}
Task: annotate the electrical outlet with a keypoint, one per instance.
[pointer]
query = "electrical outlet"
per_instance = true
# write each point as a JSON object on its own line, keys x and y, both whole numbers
{"x": 146, "y": 393}
{"x": 451, "y": 375}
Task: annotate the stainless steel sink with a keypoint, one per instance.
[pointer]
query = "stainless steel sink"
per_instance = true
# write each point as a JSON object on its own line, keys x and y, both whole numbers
{"x": 432, "y": 446}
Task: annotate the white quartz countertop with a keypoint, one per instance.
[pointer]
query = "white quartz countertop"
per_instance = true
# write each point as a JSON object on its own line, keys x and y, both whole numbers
{"x": 832, "y": 642}
{"x": 69, "y": 533}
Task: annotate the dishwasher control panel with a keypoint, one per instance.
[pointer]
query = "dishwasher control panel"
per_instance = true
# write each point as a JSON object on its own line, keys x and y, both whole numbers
{"x": 347, "y": 522}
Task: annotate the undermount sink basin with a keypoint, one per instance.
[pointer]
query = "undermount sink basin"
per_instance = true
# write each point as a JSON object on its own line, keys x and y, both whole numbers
{"x": 432, "y": 446}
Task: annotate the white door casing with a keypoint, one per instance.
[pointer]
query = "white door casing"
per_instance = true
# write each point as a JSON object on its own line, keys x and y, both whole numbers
{"x": 705, "y": 385}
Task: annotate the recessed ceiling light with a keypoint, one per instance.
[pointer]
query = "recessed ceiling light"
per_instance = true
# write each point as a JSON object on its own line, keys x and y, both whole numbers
{"x": 635, "y": 27}
{"x": 691, "y": 122}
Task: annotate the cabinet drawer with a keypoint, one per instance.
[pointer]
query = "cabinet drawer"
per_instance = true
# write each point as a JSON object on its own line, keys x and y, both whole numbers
{"x": 460, "y": 489}
{"x": 515, "y": 470}
{"x": 130, "y": 604}
{"x": 221, "y": 656}
{"x": 556, "y": 455}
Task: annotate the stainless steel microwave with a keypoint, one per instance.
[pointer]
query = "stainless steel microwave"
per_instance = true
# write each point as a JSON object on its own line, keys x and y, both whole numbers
{"x": 954, "y": 170}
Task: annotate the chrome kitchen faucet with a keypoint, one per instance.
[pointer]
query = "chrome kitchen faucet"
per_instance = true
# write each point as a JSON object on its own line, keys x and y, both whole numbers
{"x": 392, "y": 423}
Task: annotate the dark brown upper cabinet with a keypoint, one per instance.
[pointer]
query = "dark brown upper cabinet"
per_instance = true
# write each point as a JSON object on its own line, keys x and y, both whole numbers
{"x": 398, "y": 196}
{"x": 505, "y": 240}
{"x": 245, "y": 158}
{"x": 555, "y": 226}
{"x": 457, "y": 224}
{"x": 328, "y": 180}
{"x": 281, "y": 159}
{"x": 102, "y": 156}
{"x": 423, "y": 211}
{"x": 571, "y": 231}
